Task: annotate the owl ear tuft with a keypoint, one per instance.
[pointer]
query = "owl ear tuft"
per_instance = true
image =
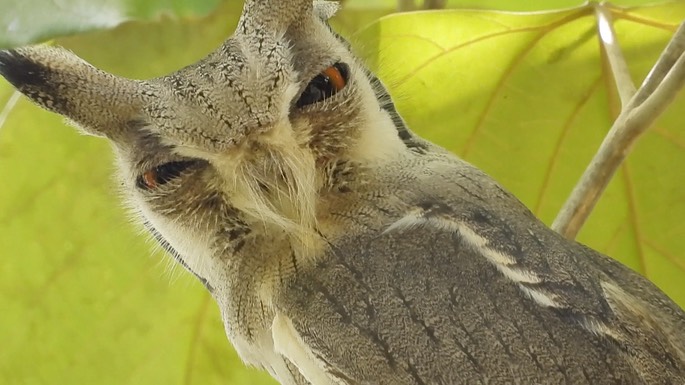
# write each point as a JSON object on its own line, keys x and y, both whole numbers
{"x": 326, "y": 9}
{"x": 59, "y": 81}
{"x": 273, "y": 15}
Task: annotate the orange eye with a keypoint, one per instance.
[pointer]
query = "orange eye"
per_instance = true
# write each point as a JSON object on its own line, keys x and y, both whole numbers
{"x": 335, "y": 76}
{"x": 326, "y": 84}
{"x": 157, "y": 176}
{"x": 149, "y": 179}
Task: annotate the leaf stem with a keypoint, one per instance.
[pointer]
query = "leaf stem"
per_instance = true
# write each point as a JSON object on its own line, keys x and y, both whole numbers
{"x": 658, "y": 90}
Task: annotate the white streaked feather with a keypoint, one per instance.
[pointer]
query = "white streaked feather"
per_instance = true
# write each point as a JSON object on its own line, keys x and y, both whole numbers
{"x": 598, "y": 328}
{"x": 504, "y": 263}
{"x": 480, "y": 243}
{"x": 288, "y": 342}
{"x": 519, "y": 275}
{"x": 539, "y": 297}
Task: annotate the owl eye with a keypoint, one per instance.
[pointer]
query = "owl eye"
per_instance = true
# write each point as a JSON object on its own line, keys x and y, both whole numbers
{"x": 162, "y": 174}
{"x": 326, "y": 84}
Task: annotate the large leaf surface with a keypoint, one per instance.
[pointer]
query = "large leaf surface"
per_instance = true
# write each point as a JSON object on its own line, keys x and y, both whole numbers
{"x": 503, "y": 5}
{"x": 29, "y": 21}
{"x": 525, "y": 97}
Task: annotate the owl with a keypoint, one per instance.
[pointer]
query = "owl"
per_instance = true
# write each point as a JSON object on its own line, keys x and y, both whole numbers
{"x": 340, "y": 247}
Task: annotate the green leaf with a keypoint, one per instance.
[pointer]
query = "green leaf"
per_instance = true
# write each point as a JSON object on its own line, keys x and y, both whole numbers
{"x": 528, "y": 98}
{"x": 29, "y": 21}
{"x": 525, "y": 97}
{"x": 502, "y": 5}
{"x": 532, "y": 5}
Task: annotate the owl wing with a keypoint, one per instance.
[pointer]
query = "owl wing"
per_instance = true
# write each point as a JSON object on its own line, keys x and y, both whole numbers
{"x": 445, "y": 291}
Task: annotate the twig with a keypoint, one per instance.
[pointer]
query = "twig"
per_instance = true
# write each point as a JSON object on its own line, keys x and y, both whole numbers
{"x": 671, "y": 54}
{"x": 434, "y": 4}
{"x": 409, "y": 5}
{"x": 619, "y": 67}
{"x": 405, "y": 5}
{"x": 656, "y": 93}
{"x": 8, "y": 108}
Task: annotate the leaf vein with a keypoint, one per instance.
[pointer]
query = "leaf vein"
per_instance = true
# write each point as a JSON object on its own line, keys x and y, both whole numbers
{"x": 566, "y": 129}
{"x": 634, "y": 219}
{"x": 625, "y": 15}
{"x": 510, "y": 69}
{"x": 670, "y": 137}
{"x": 195, "y": 339}
{"x": 545, "y": 28}
{"x": 678, "y": 262}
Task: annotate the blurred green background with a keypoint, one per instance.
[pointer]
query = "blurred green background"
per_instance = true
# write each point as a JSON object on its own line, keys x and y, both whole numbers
{"x": 525, "y": 96}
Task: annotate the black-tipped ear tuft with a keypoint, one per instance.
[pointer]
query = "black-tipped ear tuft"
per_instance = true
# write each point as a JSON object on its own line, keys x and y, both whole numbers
{"x": 20, "y": 71}
{"x": 59, "y": 81}
{"x": 30, "y": 78}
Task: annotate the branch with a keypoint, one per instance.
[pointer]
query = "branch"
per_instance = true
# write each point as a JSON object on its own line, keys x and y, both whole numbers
{"x": 658, "y": 90}
{"x": 673, "y": 51}
{"x": 405, "y": 5}
{"x": 434, "y": 4}
{"x": 619, "y": 67}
